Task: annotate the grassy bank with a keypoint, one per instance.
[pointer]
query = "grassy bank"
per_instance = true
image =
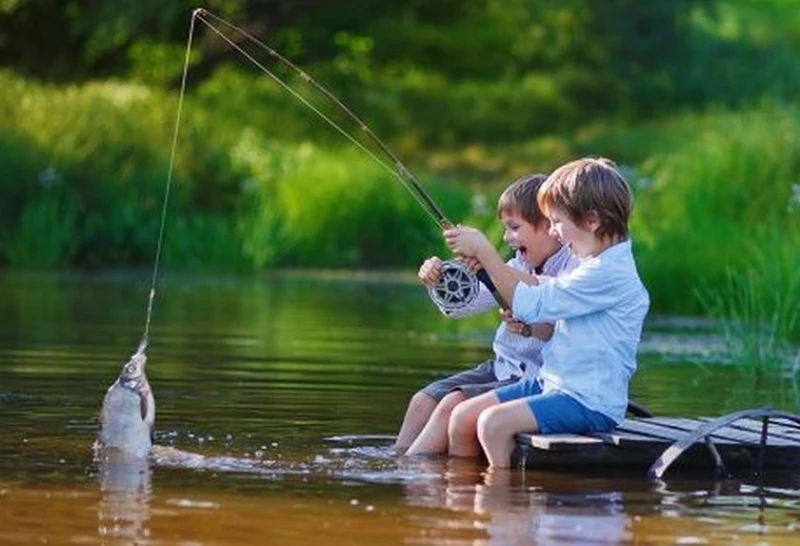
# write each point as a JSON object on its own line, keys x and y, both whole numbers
{"x": 83, "y": 171}
{"x": 718, "y": 226}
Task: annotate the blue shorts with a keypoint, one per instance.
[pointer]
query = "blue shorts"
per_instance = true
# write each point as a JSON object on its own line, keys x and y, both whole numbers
{"x": 555, "y": 412}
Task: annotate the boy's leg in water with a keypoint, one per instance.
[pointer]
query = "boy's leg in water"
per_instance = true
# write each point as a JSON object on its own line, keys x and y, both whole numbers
{"x": 433, "y": 438}
{"x": 423, "y": 403}
{"x": 420, "y": 408}
{"x": 497, "y": 427}
{"x": 462, "y": 432}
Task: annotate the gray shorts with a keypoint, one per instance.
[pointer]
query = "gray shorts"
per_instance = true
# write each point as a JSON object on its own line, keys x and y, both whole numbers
{"x": 478, "y": 380}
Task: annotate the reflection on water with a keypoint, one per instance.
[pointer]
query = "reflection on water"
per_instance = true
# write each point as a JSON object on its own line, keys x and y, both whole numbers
{"x": 278, "y": 400}
{"x": 125, "y": 488}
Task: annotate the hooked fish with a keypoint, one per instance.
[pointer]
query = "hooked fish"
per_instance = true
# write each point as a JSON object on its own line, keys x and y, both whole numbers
{"x": 129, "y": 410}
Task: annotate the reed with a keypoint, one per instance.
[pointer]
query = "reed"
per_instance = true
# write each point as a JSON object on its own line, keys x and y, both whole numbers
{"x": 203, "y": 242}
{"x": 314, "y": 207}
{"x": 757, "y": 312}
{"x": 243, "y": 197}
{"x": 727, "y": 191}
{"x": 712, "y": 191}
{"x": 46, "y": 236}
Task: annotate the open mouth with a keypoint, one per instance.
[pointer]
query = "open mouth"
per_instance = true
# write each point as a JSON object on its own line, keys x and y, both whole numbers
{"x": 522, "y": 253}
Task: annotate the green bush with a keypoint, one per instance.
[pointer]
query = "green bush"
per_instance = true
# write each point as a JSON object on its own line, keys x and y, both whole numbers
{"x": 757, "y": 306}
{"x": 312, "y": 207}
{"x": 45, "y": 237}
{"x": 727, "y": 192}
{"x": 202, "y": 242}
{"x": 83, "y": 170}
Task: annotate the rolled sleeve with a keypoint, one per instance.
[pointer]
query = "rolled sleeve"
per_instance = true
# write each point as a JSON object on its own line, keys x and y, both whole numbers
{"x": 526, "y": 303}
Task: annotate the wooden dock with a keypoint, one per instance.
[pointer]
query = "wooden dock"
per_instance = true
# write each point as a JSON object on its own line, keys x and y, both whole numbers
{"x": 757, "y": 438}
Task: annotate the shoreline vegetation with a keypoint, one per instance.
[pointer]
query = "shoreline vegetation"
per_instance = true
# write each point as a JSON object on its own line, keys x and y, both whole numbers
{"x": 258, "y": 184}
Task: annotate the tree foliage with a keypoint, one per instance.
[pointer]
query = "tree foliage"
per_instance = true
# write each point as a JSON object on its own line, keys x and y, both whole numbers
{"x": 525, "y": 65}
{"x": 481, "y": 39}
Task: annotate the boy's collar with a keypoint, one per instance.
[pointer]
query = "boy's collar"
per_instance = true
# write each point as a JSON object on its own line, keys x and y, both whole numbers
{"x": 610, "y": 249}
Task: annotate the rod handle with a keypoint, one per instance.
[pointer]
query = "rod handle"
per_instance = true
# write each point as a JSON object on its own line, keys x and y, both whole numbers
{"x": 483, "y": 276}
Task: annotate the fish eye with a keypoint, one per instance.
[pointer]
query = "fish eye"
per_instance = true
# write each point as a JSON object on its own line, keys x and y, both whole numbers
{"x": 130, "y": 368}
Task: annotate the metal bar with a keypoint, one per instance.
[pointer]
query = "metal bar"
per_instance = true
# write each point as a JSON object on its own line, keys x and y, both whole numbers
{"x": 673, "y": 452}
{"x": 763, "y": 445}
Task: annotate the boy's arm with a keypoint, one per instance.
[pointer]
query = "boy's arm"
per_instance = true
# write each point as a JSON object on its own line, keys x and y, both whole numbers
{"x": 503, "y": 278}
{"x": 472, "y": 243}
{"x": 527, "y": 278}
{"x": 541, "y": 330}
{"x": 430, "y": 272}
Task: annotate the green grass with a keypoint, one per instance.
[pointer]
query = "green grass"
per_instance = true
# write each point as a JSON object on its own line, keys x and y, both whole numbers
{"x": 45, "y": 236}
{"x": 241, "y": 199}
{"x": 260, "y": 182}
{"x": 757, "y": 311}
{"x": 314, "y": 207}
{"x": 726, "y": 191}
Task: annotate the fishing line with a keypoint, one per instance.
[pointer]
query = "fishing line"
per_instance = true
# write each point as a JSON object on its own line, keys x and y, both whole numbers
{"x": 400, "y": 171}
{"x": 170, "y": 171}
{"x": 459, "y": 285}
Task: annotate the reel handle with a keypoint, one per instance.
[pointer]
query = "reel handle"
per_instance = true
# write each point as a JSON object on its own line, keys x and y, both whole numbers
{"x": 481, "y": 275}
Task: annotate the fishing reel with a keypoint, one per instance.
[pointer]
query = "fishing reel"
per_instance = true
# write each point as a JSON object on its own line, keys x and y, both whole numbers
{"x": 457, "y": 288}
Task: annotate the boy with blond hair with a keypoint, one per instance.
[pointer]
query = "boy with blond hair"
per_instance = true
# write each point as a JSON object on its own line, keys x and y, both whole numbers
{"x": 516, "y": 345}
{"x": 598, "y": 309}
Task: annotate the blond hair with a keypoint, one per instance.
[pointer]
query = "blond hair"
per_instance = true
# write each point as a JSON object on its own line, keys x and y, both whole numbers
{"x": 590, "y": 186}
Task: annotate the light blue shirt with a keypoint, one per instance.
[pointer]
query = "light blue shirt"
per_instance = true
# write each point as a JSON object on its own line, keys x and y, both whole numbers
{"x": 516, "y": 355}
{"x": 599, "y": 309}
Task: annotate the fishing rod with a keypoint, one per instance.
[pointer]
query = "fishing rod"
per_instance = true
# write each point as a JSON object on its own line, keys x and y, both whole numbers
{"x": 459, "y": 284}
{"x": 145, "y": 340}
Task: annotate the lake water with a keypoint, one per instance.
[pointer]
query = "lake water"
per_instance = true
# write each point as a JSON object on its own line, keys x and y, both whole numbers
{"x": 287, "y": 391}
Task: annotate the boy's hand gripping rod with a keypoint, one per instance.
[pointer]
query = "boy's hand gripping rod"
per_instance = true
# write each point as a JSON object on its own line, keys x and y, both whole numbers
{"x": 459, "y": 284}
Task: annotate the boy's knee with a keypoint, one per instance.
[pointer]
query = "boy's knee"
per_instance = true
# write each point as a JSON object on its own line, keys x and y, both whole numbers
{"x": 458, "y": 421}
{"x": 451, "y": 401}
{"x": 458, "y": 415}
{"x": 420, "y": 402}
{"x": 462, "y": 422}
{"x": 490, "y": 425}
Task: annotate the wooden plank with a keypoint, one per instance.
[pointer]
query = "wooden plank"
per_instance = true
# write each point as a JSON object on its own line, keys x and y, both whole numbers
{"x": 730, "y": 433}
{"x": 665, "y": 429}
{"x": 775, "y": 428}
{"x": 560, "y": 441}
{"x": 685, "y": 424}
{"x": 790, "y": 425}
{"x": 650, "y": 432}
{"x": 657, "y": 428}
{"x": 624, "y": 438}
{"x": 750, "y": 431}
{"x": 782, "y": 426}
{"x": 556, "y": 441}
{"x": 640, "y": 441}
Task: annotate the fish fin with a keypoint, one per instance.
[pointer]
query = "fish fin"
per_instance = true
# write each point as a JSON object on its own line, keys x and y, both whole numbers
{"x": 144, "y": 405}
